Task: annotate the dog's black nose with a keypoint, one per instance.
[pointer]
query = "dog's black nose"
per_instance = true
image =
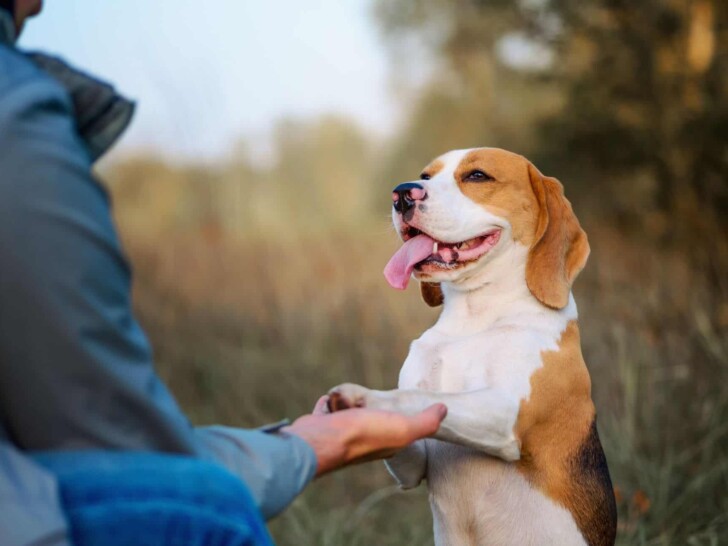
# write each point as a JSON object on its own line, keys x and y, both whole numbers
{"x": 406, "y": 195}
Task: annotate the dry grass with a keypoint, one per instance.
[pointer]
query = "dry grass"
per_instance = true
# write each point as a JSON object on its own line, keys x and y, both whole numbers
{"x": 248, "y": 331}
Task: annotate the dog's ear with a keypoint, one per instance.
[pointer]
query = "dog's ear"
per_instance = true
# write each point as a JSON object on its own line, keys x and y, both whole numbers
{"x": 432, "y": 293}
{"x": 560, "y": 247}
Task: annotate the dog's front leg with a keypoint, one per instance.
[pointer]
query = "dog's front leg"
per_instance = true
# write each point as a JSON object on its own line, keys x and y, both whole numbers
{"x": 409, "y": 465}
{"x": 482, "y": 419}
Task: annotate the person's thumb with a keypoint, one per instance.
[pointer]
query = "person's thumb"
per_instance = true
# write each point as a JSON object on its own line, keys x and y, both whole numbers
{"x": 427, "y": 422}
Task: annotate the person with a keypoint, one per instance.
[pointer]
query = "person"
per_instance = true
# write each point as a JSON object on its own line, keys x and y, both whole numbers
{"x": 93, "y": 447}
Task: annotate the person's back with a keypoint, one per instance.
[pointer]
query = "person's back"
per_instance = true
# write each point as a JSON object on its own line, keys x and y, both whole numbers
{"x": 44, "y": 195}
{"x": 30, "y": 508}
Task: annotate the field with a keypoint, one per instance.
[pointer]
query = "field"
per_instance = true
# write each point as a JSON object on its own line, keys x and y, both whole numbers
{"x": 258, "y": 276}
{"x": 248, "y": 329}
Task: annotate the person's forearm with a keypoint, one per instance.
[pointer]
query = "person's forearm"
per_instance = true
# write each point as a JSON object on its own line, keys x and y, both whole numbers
{"x": 275, "y": 466}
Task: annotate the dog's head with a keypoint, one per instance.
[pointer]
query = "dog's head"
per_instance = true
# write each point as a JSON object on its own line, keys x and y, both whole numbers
{"x": 468, "y": 207}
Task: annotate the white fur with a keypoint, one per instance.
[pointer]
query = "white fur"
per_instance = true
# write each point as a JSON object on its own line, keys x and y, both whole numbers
{"x": 478, "y": 359}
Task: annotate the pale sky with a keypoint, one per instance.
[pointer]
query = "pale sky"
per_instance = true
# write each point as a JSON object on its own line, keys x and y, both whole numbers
{"x": 203, "y": 77}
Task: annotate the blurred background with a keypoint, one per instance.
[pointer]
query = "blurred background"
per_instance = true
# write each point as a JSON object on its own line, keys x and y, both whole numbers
{"x": 252, "y": 194}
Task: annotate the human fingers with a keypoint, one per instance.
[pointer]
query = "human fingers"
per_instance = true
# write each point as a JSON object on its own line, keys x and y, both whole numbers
{"x": 376, "y": 434}
{"x": 384, "y": 430}
{"x": 362, "y": 434}
{"x": 321, "y": 407}
{"x": 426, "y": 423}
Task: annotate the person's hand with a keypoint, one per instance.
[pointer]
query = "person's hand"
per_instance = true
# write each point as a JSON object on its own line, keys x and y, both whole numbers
{"x": 360, "y": 434}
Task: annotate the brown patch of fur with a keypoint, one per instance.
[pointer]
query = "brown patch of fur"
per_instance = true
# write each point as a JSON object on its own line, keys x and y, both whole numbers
{"x": 508, "y": 195}
{"x": 431, "y": 293}
{"x": 433, "y": 168}
{"x": 560, "y": 247}
{"x": 560, "y": 450}
{"x": 540, "y": 217}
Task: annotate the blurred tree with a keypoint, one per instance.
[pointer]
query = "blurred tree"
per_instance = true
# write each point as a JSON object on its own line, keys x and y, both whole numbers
{"x": 153, "y": 195}
{"x": 317, "y": 177}
{"x": 642, "y": 95}
{"x": 321, "y": 171}
{"x": 647, "y": 90}
{"x": 472, "y": 97}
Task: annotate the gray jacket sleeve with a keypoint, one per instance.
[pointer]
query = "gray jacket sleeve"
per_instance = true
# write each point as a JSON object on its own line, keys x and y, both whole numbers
{"x": 75, "y": 368}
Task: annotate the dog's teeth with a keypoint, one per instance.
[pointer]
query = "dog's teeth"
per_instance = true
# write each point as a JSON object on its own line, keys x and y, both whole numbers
{"x": 434, "y": 248}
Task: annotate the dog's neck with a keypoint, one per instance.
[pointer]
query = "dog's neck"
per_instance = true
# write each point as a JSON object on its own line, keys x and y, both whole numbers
{"x": 496, "y": 293}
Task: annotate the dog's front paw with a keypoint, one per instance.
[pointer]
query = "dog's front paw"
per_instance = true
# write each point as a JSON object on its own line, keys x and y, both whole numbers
{"x": 347, "y": 396}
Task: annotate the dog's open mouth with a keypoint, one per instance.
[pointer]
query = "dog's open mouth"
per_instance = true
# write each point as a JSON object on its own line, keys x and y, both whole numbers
{"x": 422, "y": 252}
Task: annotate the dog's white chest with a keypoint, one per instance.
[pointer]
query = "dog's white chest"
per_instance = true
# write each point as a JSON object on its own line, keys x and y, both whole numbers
{"x": 502, "y": 357}
{"x": 442, "y": 365}
{"x": 476, "y": 498}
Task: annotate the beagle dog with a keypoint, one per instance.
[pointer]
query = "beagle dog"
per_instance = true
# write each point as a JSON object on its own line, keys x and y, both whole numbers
{"x": 518, "y": 460}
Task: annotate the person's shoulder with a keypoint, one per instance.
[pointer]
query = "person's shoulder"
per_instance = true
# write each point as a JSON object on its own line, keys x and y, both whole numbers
{"x": 25, "y": 88}
{"x": 15, "y": 69}
{"x": 19, "y": 72}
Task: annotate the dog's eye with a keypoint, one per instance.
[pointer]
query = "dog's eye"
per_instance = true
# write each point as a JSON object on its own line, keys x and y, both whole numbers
{"x": 424, "y": 176}
{"x": 477, "y": 176}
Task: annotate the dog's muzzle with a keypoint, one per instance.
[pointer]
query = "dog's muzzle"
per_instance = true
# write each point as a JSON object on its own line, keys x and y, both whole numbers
{"x": 406, "y": 195}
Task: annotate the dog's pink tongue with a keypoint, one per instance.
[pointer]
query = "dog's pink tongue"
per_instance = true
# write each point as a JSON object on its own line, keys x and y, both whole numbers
{"x": 400, "y": 266}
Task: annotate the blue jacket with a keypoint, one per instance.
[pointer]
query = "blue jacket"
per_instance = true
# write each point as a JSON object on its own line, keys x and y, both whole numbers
{"x": 76, "y": 370}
